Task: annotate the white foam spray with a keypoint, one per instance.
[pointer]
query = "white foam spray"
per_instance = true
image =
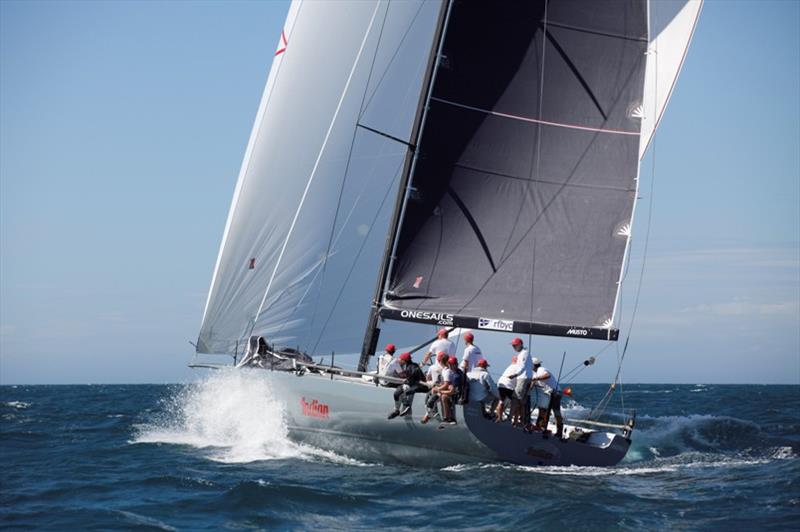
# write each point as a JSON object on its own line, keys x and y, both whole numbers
{"x": 234, "y": 416}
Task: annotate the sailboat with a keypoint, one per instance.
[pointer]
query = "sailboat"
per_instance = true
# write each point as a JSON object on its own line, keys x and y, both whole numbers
{"x": 467, "y": 165}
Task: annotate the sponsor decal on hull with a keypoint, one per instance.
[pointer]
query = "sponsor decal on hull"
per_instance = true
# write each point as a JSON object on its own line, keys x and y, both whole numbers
{"x": 439, "y": 318}
{"x": 314, "y": 408}
{"x": 497, "y": 325}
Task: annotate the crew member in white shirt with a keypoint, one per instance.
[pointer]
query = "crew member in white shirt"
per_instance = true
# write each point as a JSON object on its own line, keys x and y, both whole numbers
{"x": 548, "y": 398}
{"x": 449, "y": 390}
{"x": 472, "y": 354}
{"x": 505, "y": 390}
{"x": 482, "y": 388}
{"x": 385, "y": 359}
{"x": 439, "y": 345}
{"x": 524, "y": 377}
{"x": 434, "y": 379}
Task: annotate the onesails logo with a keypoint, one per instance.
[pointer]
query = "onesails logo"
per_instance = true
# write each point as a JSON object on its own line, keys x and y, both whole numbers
{"x": 439, "y": 318}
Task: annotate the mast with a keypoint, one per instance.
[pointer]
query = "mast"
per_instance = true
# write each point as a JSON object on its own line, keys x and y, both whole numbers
{"x": 372, "y": 332}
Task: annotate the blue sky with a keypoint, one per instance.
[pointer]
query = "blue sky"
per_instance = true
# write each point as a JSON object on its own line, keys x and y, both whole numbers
{"x": 123, "y": 125}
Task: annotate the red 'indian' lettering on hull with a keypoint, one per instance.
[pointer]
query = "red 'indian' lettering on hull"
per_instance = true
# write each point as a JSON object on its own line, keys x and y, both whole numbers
{"x": 314, "y": 408}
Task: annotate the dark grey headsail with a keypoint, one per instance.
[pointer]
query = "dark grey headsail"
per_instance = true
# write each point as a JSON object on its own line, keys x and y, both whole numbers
{"x": 525, "y": 182}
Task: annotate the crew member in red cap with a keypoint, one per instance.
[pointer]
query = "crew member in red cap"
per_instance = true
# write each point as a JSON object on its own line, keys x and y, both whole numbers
{"x": 440, "y": 344}
{"x": 482, "y": 388}
{"x": 522, "y": 401}
{"x": 385, "y": 359}
{"x": 472, "y": 353}
{"x": 450, "y": 389}
{"x": 434, "y": 379}
{"x": 404, "y": 394}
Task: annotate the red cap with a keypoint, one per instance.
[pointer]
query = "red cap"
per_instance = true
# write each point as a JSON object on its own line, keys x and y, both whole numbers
{"x": 442, "y": 333}
{"x": 442, "y": 356}
{"x": 390, "y": 348}
{"x": 468, "y": 337}
{"x": 516, "y": 341}
{"x": 406, "y": 357}
{"x": 483, "y": 363}
{"x": 452, "y": 360}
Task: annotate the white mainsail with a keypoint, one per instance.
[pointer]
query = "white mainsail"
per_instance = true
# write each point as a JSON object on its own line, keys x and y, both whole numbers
{"x": 310, "y": 213}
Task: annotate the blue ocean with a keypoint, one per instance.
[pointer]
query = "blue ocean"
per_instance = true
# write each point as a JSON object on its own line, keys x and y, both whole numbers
{"x": 214, "y": 454}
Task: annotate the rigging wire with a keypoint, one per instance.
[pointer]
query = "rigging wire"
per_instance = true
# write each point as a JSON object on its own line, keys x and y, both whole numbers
{"x": 621, "y": 357}
{"x": 364, "y": 106}
{"x": 313, "y": 171}
{"x": 346, "y": 172}
{"x": 355, "y": 260}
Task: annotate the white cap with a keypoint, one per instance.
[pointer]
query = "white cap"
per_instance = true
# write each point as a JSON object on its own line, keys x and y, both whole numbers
{"x": 536, "y": 361}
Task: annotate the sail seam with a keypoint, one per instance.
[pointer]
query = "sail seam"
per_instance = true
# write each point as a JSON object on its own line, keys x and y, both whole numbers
{"x": 316, "y": 166}
{"x": 535, "y": 121}
{"x": 542, "y": 181}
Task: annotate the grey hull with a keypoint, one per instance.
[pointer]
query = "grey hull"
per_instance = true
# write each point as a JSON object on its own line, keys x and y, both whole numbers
{"x": 349, "y": 416}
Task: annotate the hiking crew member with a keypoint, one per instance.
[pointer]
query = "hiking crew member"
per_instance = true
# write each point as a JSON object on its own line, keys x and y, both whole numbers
{"x": 392, "y": 369}
{"x": 472, "y": 354}
{"x": 439, "y": 345}
{"x": 386, "y": 359}
{"x": 505, "y": 389}
{"x": 404, "y": 394}
{"x": 434, "y": 378}
{"x": 482, "y": 388}
{"x": 548, "y": 397}
{"x": 524, "y": 377}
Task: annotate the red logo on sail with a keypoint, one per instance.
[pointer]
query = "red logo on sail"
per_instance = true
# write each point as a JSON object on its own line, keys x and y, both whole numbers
{"x": 418, "y": 282}
{"x": 314, "y": 408}
{"x": 282, "y": 44}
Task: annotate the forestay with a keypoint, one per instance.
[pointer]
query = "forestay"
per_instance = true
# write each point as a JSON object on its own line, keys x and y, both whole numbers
{"x": 310, "y": 214}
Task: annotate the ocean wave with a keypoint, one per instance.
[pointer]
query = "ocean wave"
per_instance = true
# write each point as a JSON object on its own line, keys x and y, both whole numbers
{"x": 672, "y": 435}
{"x": 21, "y": 405}
{"x": 235, "y": 417}
{"x": 784, "y": 453}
